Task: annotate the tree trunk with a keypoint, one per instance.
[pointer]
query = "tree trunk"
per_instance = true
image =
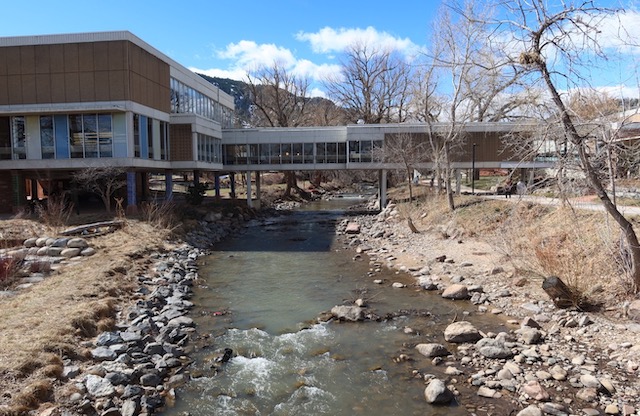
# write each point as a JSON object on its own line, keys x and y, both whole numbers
{"x": 447, "y": 179}
{"x": 627, "y": 228}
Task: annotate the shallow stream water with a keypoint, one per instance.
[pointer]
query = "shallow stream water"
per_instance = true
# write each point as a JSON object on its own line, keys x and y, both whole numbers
{"x": 260, "y": 293}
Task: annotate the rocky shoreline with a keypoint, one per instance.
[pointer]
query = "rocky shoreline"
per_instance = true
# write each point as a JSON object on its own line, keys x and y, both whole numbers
{"x": 552, "y": 361}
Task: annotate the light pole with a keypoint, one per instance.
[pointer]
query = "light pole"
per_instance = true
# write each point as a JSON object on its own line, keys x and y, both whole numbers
{"x": 473, "y": 169}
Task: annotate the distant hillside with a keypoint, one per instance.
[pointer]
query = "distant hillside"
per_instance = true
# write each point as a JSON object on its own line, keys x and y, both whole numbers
{"x": 326, "y": 112}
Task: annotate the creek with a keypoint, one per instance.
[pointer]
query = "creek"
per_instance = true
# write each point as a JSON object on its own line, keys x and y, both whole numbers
{"x": 260, "y": 293}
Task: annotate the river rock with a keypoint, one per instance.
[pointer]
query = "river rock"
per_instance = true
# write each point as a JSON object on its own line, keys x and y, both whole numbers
{"x": 348, "y": 313}
{"x": 485, "y": 391}
{"x": 587, "y": 394}
{"x": 432, "y": 350}
{"x": 352, "y": 228}
{"x": 437, "y": 392}
{"x": 535, "y": 390}
{"x": 461, "y": 332}
{"x": 529, "y": 335}
{"x": 70, "y": 252}
{"x": 531, "y": 410}
{"x": 103, "y": 353}
{"x": 633, "y": 310}
{"x": 588, "y": 380}
{"x": 130, "y": 407}
{"x": 493, "y": 348}
{"x": 456, "y": 292}
{"x": 99, "y": 387}
{"x": 89, "y": 251}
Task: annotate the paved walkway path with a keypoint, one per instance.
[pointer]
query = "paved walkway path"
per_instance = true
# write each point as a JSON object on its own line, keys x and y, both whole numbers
{"x": 575, "y": 203}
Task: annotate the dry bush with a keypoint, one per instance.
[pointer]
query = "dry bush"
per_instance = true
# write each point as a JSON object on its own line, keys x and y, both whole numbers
{"x": 161, "y": 215}
{"x": 9, "y": 268}
{"x": 37, "y": 392}
{"x": 55, "y": 212}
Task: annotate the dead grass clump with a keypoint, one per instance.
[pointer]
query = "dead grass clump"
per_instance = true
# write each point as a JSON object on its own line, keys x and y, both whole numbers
{"x": 9, "y": 268}
{"x": 53, "y": 370}
{"x": 162, "y": 215}
{"x": 39, "y": 391}
{"x": 105, "y": 324}
{"x": 55, "y": 212}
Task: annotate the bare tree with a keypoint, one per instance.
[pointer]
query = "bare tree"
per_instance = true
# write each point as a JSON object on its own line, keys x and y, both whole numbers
{"x": 407, "y": 149}
{"x": 555, "y": 46}
{"x": 280, "y": 99}
{"x": 373, "y": 85}
{"x": 103, "y": 181}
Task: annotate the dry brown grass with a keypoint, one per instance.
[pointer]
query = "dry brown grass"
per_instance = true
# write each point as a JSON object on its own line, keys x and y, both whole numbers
{"x": 46, "y": 322}
{"x": 581, "y": 247}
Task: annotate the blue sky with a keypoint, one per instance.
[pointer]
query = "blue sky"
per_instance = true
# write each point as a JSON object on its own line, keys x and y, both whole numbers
{"x": 225, "y": 38}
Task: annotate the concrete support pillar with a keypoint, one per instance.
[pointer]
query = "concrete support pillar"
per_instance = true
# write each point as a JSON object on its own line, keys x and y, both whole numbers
{"x": 216, "y": 184}
{"x": 258, "y": 188}
{"x": 249, "y": 199}
{"x": 196, "y": 177}
{"x": 382, "y": 188}
{"x": 168, "y": 185}
{"x": 232, "y": 185}
{"x": 19, "y": 200}
{"x": 132, "y": 197}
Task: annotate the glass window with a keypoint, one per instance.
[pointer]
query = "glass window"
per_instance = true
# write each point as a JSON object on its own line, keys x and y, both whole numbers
{"x": 5, "y": 138}
{"x": 286, "y": 152}
{"x": 150, "y": 137}
{"x": 332, "y": 150}
{"x": 274, "y": 150}
{"x": 296, "y": 152}
{"x": 342, "y": 153}
{"x": 76, "y": 137}
{"x": 47, "y": 143}
{"x": 90, "y": 131}
{"x": 136, "y": 135}
{"x": 308, "y": 152}
{"x": 105, "y": 135}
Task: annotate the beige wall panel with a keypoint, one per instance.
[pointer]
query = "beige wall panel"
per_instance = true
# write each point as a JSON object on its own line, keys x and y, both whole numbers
{"x": 3, "y": 61}
{"x": 4, "y": 90}
{"x": 100, "y": 56}
{"x": 13, "y": 60}
{"x": 29, "y": 89}
{"x": 43, "y": 59}
{"x": 43, "y": 88}
{"x": 28, "y": 59}
{"x": 72, "y": 87}
{"x": 117, "y": 85}
{"x": 15, "y": 89}
{"x": 71, "y": 62}
{"x": 181, "y": 143}
{"x": 102, "y": 87}
{"x": 85, "y": 57}
{"x": 56, "y": 54}
{"x": 134, "y": 58}
{"x": 117, "y": 55}
{"x": 135, "y": 87}
{"x": 87, "y": 86}
{"x": 58, "y": 88}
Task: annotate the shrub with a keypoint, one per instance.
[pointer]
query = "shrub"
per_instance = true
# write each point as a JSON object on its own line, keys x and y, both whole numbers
{"x": 160, "y": 215}
{"x": 195, "y": 194}
{"x": 55, "y": 211}
{"x": 9, "y": 267}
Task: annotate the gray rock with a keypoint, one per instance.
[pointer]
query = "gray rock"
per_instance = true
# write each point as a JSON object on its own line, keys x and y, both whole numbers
{"x": 348, "y": 313}
{"x": 70, "y": 252}
{"x": 587, "y": 394}
{"x": 588, "y": 380}
{"x": 103, "y": 353}
{"x": 437, "y": 392}
{"x": 59, "y": 242}
{"x": 89, "y": 251}
{"x": 456, "y": 292}
{"x": 108, "y": 338}
{"x": 77, "y": 243}
{"x": 154, "y": 348}
{"x": 150, "y": 380}
{"x": 531, "y": 410}
{"x": 432, "y": 350}
{"x": 530, "y": 335}
{"x": 460, "y": 332}
{"x": 130, "y": 407}
{"x": 493, "y": 348}
{"x": 99, "y": 387}
{"x": 485, "y": 391}
{"x": 132, "y": 391}
{"x": 70, "y": 371}
{"x": 30, "y": 242}
{"x": 181, "y": 321}
{"x": 42, "y": 241}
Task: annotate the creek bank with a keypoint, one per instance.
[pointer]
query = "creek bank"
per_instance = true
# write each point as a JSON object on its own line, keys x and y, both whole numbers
{"x": 552, "y": 361}
{"x": 135, "y": 368}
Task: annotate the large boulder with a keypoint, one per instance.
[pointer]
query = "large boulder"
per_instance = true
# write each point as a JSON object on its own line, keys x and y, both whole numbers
{"x": 456, "y": 292}
{"x": 460, "y": 332}
{"x": 348, "y": 313}
{"x": 437, "y": 392}
{"x": 353, "y": 228}
{"x": 99, "y": 387}
{"x": 432, "y": 350}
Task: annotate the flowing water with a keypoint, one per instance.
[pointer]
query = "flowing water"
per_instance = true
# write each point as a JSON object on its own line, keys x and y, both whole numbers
{"x": 260, "y": 294}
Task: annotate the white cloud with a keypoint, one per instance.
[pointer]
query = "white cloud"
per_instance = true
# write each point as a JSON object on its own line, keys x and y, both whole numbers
{"x": 249, "y": 55}
{"x": 621, "y": 31}
{"x": 328, "y": 40}
{"x": 238, "y": 74}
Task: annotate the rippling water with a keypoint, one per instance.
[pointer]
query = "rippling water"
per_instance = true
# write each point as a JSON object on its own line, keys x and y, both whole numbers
{"x": 260, "y": 294}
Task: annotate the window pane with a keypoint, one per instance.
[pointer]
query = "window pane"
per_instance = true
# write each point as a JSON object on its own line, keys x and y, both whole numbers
{"x": 76, "y": 139}
{"x": 19, "y": 138}
{"x": 105, "y": 135}
{"x": 47, "y": 144}
{"x": 5, "y": 138}
{"x": 90, "y": 126}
